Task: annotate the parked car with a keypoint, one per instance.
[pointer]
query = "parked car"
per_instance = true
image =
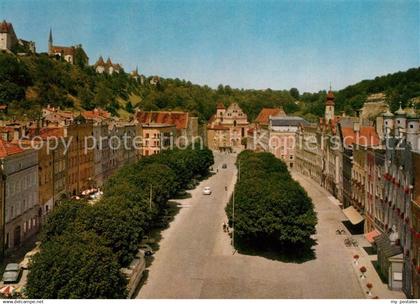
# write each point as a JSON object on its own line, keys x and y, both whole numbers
{"x": 206, "y": 191}
{"x": 12, "y": 273}
{"x": 224, "y": 166}
{"x": 148, "y": 251}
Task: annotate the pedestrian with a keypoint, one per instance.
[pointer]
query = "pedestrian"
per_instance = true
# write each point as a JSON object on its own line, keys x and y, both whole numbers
{"x": 224, "y": 226}
{"x": 225, "y": 188}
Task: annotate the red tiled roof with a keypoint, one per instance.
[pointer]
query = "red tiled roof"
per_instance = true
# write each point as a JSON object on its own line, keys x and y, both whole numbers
{"x": 265, "y": 114}
{"x": 65, "y": 50}
{"x": 367, "y": 136}
{"x": 45, "y": 133}
{"x": 251, "y": 131}
{"x": 96, "y": 114}
{"x": 179, "y": 119}
{"x": 7, "y": 149}
{"x": 6, "y": 27}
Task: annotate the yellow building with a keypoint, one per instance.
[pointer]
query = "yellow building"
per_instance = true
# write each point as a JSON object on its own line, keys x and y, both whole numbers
{"x": 156, "y": 137}
{"x": 80, "y": 169}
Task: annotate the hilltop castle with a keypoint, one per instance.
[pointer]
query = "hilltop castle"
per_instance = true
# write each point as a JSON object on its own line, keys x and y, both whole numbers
{"x": 69, "y": 54}
{"x": 9, "y": 41}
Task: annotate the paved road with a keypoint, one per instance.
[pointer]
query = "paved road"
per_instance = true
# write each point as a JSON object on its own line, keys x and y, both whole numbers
{"x": 196, "y": 261}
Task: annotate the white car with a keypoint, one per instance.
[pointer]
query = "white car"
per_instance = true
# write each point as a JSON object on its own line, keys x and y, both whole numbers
{"x": 206, "y": 191}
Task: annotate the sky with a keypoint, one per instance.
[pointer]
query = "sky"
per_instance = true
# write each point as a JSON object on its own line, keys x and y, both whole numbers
{"x": 255, "y": 44}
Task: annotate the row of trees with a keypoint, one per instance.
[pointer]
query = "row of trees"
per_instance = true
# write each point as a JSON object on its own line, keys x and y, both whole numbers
{"x": 270, "y": 207}
{"x": 84, "y": 246}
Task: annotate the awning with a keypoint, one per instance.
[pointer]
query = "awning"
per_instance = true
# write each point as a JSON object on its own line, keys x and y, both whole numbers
{"x": 353, "y": 216}
{"x": 370, "y": 235}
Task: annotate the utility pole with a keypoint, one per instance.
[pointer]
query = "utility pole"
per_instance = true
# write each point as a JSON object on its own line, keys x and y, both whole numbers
{"x": 233, "y": 211}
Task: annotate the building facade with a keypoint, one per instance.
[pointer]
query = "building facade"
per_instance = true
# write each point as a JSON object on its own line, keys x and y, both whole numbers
{"x": 80, "y": 168}
{"x": 227, "y": 129}
{"x": 20, "y": 184}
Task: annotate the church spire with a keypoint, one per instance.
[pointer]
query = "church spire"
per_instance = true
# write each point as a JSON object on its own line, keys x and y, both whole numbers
{"x": 329, "y": 106}
{"x": 50, "y": 42}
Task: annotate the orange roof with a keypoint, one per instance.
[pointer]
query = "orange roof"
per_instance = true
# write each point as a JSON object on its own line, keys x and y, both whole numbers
{"x": 96, "y": 113}
{"x": 367, "y": 136}
{"x": 265, "y": 114}
{"x": 179, "y": 119}
{"x": 7, "y": 149}
{"x": 45, "y": 133}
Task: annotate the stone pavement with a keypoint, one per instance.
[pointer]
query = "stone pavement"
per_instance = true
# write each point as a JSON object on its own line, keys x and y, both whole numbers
{"x": 196, "y": 259}
{"x": 379, "y": 289}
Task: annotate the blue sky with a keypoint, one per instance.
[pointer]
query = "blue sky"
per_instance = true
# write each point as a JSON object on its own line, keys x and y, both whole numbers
{"x": 242, "y": 43}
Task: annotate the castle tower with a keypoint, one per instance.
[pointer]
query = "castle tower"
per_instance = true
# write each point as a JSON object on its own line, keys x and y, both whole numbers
{"x": 388, "y": 123}
{"x": 50, "y": 43}
{"x": 220, "y": 111}
{"x": 413, "y": 130}
{"x": 329, "y": 106}
{"x": 400, "y": 121}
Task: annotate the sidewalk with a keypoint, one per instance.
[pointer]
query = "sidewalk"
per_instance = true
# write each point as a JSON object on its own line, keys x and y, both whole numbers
{"x": 379, "y": 289}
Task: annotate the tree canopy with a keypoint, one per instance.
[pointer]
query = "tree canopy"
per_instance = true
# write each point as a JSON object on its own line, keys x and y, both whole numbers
{"x": 270, "y": 207}
{"x": 77, "y": 235}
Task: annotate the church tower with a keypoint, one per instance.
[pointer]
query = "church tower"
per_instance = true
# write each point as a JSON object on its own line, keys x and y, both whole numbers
{"x": 50, "y": 43}
{"x": 329, "y": 106}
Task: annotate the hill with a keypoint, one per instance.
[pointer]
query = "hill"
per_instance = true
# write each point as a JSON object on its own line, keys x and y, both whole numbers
{"x": 29, "y": 83}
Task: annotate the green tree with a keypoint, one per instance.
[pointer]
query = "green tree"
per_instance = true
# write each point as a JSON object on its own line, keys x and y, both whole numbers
{"x": 76, "y": 266}
{"x": 294, "y": 93}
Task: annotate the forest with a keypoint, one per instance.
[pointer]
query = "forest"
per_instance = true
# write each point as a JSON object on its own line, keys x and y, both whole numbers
{"x": 29, "y": 83}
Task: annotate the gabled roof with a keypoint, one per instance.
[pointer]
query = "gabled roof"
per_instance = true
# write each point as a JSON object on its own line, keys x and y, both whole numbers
{"x": 265, "y": 114}
{"x": 7, "y": 149}
{"x": 179, "y": 119}
{"x": 65, "y": 50}
{"x": 100, "y": 62}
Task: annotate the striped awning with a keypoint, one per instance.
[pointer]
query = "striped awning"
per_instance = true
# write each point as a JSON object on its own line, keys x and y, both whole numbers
{"x": 353, "y": 216}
